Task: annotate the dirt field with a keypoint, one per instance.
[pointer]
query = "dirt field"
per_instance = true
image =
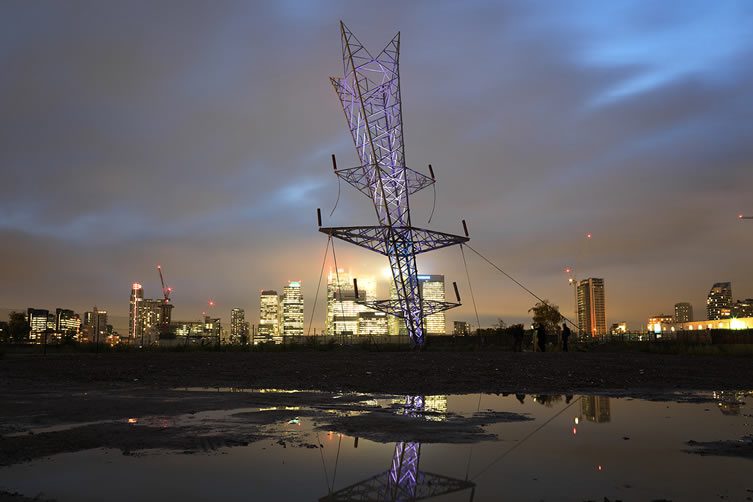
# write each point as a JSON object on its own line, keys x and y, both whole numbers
{"x": 393, "y": 372}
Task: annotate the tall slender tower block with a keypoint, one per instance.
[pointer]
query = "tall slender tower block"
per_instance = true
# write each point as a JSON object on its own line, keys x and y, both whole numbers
{"x": 369, "y": 92}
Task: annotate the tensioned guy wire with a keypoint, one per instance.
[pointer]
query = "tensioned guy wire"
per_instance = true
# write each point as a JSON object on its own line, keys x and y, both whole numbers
{"x": 513, "y": 280}
{"x": 470, "y": 287}
{"x": 319, "y": 284}
{"x": 528, "y": 436}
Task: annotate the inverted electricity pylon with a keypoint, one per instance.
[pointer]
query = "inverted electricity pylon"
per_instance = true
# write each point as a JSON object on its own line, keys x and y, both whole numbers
{"x": 369, "y": 93}
{"x": 403, "y": 482}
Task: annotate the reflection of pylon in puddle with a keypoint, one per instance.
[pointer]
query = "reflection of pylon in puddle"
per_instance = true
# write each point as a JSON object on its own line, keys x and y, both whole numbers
{"x": 403, "y": 481}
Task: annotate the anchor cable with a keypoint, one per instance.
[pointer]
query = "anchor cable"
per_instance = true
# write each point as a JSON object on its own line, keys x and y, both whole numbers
{"x": 320, "y": 446}
{"x": 470, "y": 453}
{"x": 319, "y": 284}
{"x": 470, "y": 287}
{"x": 337, "y": 460}
{"x": 528, "y": 436}
{"x": 513, "y": 280}
{"x": 339, "y": 289}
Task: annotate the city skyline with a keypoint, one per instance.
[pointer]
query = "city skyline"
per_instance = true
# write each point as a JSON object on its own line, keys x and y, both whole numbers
{"x": 214, "y": 164}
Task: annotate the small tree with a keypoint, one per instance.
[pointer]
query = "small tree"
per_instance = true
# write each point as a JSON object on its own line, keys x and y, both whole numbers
{"x": 547, "y": 314}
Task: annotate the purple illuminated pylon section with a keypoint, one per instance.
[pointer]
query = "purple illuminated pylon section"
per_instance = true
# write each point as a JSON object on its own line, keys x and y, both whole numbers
{"x": 403, "y": 482}
{"x": 369, "y": 92}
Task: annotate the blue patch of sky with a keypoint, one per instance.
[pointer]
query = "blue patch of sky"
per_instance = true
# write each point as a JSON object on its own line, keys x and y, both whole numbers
{"x": 668, "y": 40}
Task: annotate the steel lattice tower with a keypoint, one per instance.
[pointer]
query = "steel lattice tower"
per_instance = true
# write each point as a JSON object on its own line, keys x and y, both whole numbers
{"x": 403, "y": 482}
{"x": 369, "y": 93}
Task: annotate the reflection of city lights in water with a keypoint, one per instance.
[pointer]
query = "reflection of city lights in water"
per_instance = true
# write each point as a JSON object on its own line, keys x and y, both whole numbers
{"x": 599, "y": 468}
{"x": 575, "y": 431}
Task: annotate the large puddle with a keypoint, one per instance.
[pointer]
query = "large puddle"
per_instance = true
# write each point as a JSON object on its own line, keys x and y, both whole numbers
{"x": 459, "y": 447}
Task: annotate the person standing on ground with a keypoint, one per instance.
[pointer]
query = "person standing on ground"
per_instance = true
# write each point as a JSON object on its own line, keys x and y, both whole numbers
{"x": 565, "y": 335}
{"x": 541, "y": 337}
{"x": 517, "y": 336}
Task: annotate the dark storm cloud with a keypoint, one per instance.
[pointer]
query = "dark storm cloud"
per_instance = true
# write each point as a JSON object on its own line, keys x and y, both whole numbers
{"x": 199, "y": 135}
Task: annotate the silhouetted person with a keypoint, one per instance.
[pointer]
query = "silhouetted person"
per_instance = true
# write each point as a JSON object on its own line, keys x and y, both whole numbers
{"x": 541, "y": 337}
{"x": 565, "y": 335}
{"x": 521, "y": 398}
{"x": 517, "y": 337}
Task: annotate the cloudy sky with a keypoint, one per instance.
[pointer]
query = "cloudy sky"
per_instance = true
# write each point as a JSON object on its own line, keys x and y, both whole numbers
{"x": 198, "y": 134}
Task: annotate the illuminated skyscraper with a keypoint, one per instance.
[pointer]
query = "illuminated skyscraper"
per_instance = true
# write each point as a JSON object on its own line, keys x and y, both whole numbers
{"x": 591, "y": 307}
{"x": 151, "y": 311}
{"x": 683, "y": 312}
{"x": 135, "y": 327}
{"x": 342, "y": 308}
{"x": 743, "y": 308}
{"x": 238, "y": 326}
{"x": 461, "y": 328}
{"x": 719, "y": 301}
{"x": 37, "y": 319}
{"x": 372, "y": 323}
{"x": 212, "y": 328}
{"x": 66, "y": 321}
{"x": 292, "y": 309}
{"x": 269, "y": 317}
{"x": 596, "y": 409}
{"x": 432, "y": 288}
{"x": 98, "y": 331}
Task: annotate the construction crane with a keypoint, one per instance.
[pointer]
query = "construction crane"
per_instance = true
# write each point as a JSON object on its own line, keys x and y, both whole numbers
{"x": 167, "y": 307}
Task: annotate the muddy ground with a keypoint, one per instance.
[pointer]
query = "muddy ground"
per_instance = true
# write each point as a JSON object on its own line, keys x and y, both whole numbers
{"x": 100, "y": 392}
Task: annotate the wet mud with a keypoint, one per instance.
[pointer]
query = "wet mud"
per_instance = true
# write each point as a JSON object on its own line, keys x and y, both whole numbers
{"x": 742, "y": 448}
{"x": 384, "y": 427}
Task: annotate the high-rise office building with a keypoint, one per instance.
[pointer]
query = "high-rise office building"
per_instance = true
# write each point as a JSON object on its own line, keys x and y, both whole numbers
{"x": 719, "y": 301}
{"x": 147, "y": 317}
{"x": 432, "y": 288}
{"x": 592, "y": 318}
{"x": 99, "y": 325}
{"x": 151, "y": 312}
{"x": 596, "y": 409}
{"x": 683, "y": 312}
{"x": 292, "y": 309}
{"x": 742, "y": 308}
{"x": 238, "y": 326}
{"x": 372, "y": 323}
{"x": 269, "y": 317}
{"x": 67, "y": 321}
{"x": 135, "y": 327}
{"x": 461, "y": 328}
{"x": 37, "y": 319}
{"x": 95, "y": 325}
{"x": 343, "y": 308}
{"x": 212, "y": 328}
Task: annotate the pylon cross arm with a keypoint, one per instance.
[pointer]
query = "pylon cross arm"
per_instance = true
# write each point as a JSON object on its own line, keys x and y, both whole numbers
{"x": 380, "y": 238}
{"x": 362, "y": 178}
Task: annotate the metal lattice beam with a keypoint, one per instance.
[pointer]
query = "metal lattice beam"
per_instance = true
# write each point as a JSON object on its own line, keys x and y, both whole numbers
{"x": 358, "y": 178}
{"x": 393, "y": 307}
{"x": 380, "y": 238}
